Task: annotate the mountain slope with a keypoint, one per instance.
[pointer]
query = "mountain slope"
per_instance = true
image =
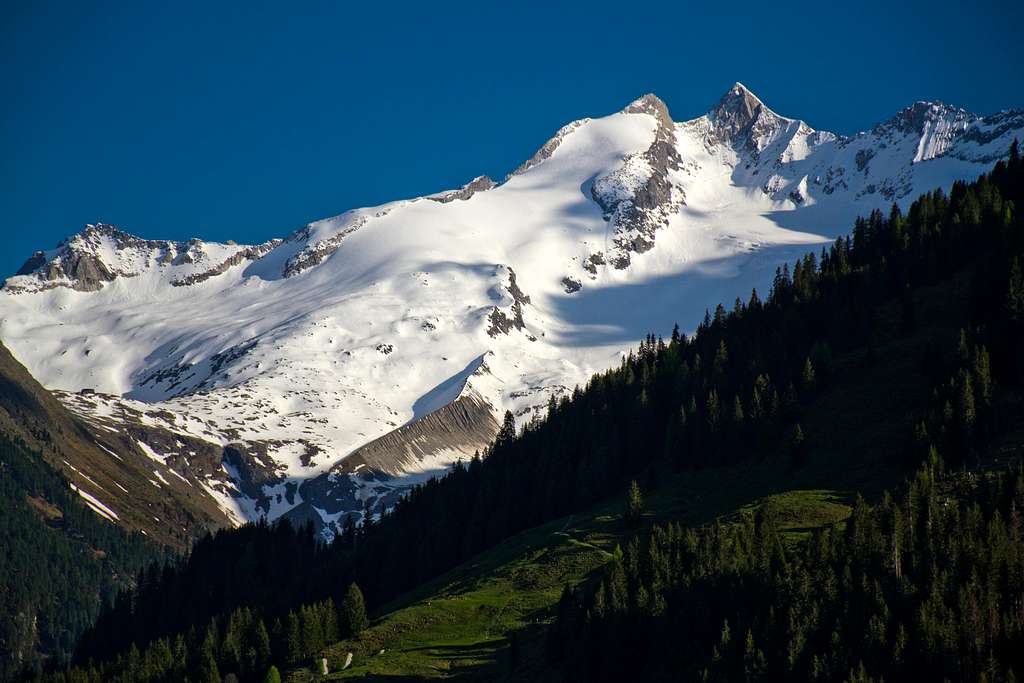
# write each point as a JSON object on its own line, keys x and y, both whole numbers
{"x": 308, "y": 365}
{"x": 898, "y": 348}
{"x": 109, "y": 470}
{"x": 61, "y": 562}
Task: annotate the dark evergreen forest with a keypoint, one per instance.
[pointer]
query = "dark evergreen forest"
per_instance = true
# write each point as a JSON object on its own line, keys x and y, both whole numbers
{"x": 59, "y": 562}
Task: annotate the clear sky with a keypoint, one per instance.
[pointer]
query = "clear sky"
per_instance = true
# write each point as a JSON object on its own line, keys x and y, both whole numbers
{"x": 246, "y": 120}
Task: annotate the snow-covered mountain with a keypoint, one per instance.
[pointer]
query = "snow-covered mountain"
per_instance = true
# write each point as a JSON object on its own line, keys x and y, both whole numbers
{"x": 329, "y": 370}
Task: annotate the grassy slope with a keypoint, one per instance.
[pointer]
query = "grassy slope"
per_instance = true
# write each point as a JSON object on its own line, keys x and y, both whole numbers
{"x": 458, "y": 625}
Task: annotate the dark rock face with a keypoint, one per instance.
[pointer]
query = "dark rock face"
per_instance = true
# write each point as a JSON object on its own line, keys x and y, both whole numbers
{"x": 503, "y": 323}
{"x": 254, "y": 467}
{"x": 571, "y": 285}
{"x": 736, "y": 113}
{"x": 862, "y": 159}
{"x": 592, "y": 262}
{"x": 34, "y": 262}
{"x": 86, "y": 271}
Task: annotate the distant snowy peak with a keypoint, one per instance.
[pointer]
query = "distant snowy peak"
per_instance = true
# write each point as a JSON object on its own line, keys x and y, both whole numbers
{"x": 934, "y": 125}
{"x": 743, "y": 121}
{"x": 101, "y": 253}
{"x": 738, "y": 111}
{"x": 987, "y": 139}
{"x": 784, "y": 157}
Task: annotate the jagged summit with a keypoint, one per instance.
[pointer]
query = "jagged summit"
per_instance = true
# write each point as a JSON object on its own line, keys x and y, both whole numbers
{"x": 738, "y": 110}
{"x": 101, "y": 253}
{"x": 916, "y": 117}
{"x": 650, "y": 104}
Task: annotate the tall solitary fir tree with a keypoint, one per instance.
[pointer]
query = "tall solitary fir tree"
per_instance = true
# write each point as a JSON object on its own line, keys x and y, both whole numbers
{"x": 352, "y": 616}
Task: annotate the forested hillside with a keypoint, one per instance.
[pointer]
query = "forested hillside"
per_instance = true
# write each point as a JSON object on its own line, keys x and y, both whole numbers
{"x": 905, "y": 584}
{"x": 60, "y": 562}
{"x": 927, "y": 586}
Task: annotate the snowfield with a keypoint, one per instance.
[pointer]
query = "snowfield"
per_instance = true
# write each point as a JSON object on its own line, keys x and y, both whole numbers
{"x": 309, "y": 348}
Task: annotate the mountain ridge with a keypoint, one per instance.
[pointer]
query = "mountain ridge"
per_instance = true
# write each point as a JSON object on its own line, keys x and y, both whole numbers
{"x": 310, "y": 347}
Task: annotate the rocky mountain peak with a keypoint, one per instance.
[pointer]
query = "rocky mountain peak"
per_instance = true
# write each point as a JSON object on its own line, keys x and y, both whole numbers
{"x": 650, "y": 104}
{"x": 736, "y": 110}
{"x": 917, "y": 116}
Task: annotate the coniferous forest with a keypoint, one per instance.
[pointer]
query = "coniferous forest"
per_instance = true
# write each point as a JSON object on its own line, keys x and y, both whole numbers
{"x": 925, "y": 582}
{"x": 60, "y": 562}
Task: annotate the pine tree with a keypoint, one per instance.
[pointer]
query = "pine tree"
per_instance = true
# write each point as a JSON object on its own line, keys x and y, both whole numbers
{"x": 634, "y": 504}
{"x": 507, "y": 433}
{"x": 352, "y": 615}
{"x": 808, "y": 379}
{"x": 208, "y": 671}
{"x": 1015, "y": 291}
{"x": 737, "y": 411}
{"x": 293, "y": 639}
{"x": 273, "y": 675}
{"x": 257, "y": 647}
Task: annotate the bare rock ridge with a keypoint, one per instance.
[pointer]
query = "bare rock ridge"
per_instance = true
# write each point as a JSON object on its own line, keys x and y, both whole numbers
{"x": 736, "y": 112}
{"x": 548, "y": 148}
{"x": 247, "y": 254}
{"x": 101, "y": 253}
{"x": 478, "y": 184}
{"x": 464, "y": 426}
{"x": 638, "y": 198}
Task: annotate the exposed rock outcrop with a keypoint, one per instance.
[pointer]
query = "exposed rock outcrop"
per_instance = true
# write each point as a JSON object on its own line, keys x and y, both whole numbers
{"x": 548, "y": 148}
{"x": 478, "y": 184}
{"x": 465, "y": 425}
{"x": 639, "y": 197}
{"x": 101, "y": 253}
{"x": 248, "y": 254}
{"x": 315, "y": 252}
{"x": 502, "y": 322}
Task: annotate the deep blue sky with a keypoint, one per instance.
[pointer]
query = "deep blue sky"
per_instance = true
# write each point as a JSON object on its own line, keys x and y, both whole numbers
{"x": 244, "y": 120}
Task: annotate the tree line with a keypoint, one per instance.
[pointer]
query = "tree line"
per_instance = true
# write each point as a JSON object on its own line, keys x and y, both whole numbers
{"x": 732, "y": 392}
{"x": 238, "y": 645}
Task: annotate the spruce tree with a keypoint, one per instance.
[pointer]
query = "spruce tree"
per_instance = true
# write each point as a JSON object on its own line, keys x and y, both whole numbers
{"x": 634, "y": 504}
{"x": 352, "y": 616}
{"x": 807, "y": 378}
{"x": 293, "y": 638}
{"x": 507, "y": 433}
